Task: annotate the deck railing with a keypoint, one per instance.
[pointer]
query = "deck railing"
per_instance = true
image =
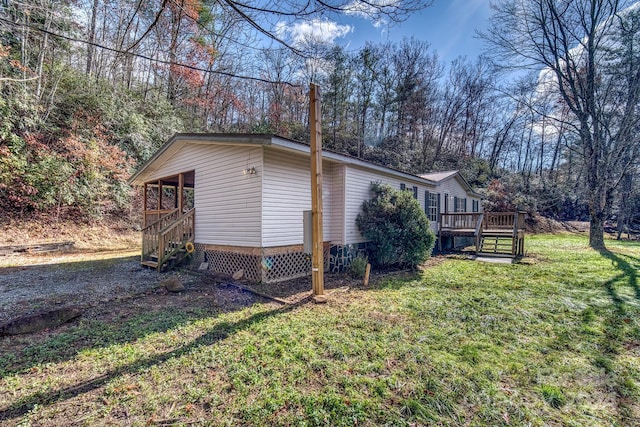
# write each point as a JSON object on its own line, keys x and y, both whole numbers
{"x": 175, "y": 236}
{"x": 460, "y": 220}
{"x": 503, "y": 221}
{"x": 151, "y": 232}
{"x": 153, "y": 215}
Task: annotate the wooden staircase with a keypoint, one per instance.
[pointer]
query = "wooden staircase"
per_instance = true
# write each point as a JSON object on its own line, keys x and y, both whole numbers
{"x": 496, "y": 245}
{"x": 495, "y": 233}
{"x": 164, "y": 241}
{"x": 501, "y": 234}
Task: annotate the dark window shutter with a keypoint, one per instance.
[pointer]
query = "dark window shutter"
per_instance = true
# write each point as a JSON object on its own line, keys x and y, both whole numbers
{"x": 415, "y": 192}
{"x": 403, "y": 187}
{"x": 426, "y": 202}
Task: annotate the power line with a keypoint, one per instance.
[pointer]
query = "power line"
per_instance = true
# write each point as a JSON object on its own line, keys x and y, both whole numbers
{"x": 215, "y": 34}
{"x": 145, "y": 57}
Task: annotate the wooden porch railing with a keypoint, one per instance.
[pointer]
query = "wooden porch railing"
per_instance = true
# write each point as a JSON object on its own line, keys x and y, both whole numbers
{"x": 151, "y": 232}
{"x": 175, "y": 236}
{"x": 460, "y": 220}
{"x": 499, "y": 221}
{"x": 151, "y": 216}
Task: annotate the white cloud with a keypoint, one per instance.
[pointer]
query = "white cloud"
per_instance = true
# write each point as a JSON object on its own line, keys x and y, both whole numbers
{"x": 371, "y": 10}
{"x": 321, "y": 31}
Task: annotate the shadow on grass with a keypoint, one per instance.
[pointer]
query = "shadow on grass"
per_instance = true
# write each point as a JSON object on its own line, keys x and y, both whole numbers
{"x": 628, "y": 267}
{"x": 126, "y": 318}
{"x": 118, "y": 316}
{"x": 616, "y": 331}
{"x": 212, "y": 336}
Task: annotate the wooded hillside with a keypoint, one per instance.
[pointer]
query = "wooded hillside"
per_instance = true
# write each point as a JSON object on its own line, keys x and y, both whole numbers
{"x": 90, "y": 89}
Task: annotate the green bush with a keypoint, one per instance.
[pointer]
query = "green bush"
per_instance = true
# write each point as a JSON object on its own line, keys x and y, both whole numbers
{"x": 358, "y": 267}
{"x": 396, "y": 227}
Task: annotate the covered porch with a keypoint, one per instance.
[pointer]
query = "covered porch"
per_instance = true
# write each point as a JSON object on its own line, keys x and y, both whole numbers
{"x": 168, "y": 220}
{"x": 494, "y": 233}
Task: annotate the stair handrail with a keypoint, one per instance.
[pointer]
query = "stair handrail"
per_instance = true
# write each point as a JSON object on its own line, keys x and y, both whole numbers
{"x": 163, "y": 255}
{"x": 150, "y": 233}
{"x": 162, "y": 218}
{"x": 478, "y": 232}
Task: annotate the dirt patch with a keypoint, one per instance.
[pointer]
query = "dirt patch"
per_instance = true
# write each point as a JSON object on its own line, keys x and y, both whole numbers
{"x": 540, "y": 224}
{"x": 47, "y": 283}
{"x": 101, "y": 236}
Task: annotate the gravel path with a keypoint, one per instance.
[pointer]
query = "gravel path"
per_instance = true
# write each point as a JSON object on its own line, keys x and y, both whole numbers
{"x": 67, "y": 281}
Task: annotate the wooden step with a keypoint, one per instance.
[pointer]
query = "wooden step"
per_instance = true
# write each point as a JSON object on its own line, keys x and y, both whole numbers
{"x": 149, "y": 263}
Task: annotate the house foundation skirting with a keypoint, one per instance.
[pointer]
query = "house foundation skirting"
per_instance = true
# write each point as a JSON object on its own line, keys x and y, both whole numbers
{"x": 340, "y": 256}
{"x": 267, "y": 265}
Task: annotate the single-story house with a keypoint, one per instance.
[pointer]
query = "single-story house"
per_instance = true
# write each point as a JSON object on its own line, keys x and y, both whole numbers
{"x": 246, "y": 194}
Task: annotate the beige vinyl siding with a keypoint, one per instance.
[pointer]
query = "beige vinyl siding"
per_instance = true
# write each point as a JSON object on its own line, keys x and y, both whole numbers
{"x": 287, "y": 193}
{"x": 338, "y": 204}
{"x": 358, "y": 189}
{"x": 227, "y": 202}
{"x": 454, "y": 189}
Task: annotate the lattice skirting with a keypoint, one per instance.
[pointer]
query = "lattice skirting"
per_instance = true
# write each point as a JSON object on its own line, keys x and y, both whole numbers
{"x": 259, "y": 264}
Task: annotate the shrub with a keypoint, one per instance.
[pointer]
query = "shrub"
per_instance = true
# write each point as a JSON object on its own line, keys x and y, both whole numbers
{"x": 396, "y": 226}
{"x": 358, "y": 267}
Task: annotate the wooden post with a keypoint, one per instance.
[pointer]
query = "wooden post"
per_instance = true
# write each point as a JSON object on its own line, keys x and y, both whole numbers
{"x": 144, "y": 206}
{"x": 181, "y": 191}
{"x": 317, "y": 247}
{"x": 159, "y": 198}
{"x": 367, "y": 271}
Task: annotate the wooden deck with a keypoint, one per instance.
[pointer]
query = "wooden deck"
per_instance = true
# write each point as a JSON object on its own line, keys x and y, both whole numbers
{"x": 495, "y": 233}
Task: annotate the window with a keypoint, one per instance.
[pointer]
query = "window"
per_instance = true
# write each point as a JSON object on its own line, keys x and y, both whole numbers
{"x": 475, "y": 206}
{"x": 403, "y": 187}
{"x": 415, "y": 192}
{"x": 432, "y": 205}
{"x": 459, "y": 204}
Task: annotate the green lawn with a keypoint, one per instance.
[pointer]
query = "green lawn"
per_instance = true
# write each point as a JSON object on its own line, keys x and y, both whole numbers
{"x": 554, "y": 340}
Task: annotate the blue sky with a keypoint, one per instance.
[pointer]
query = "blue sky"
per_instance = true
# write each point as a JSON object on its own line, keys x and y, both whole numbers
{"x": 448, "y": 25}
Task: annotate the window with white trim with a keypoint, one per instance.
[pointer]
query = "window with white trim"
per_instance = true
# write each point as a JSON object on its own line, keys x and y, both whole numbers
{"x": 459, "y": 204}
{"x": 432, "y": 205}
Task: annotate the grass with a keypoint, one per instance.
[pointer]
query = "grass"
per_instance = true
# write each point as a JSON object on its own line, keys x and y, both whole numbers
{"x": 554, "y": 340}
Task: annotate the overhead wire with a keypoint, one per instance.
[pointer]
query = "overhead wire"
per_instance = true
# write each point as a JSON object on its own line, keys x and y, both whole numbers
{"x": 145, "y": 57}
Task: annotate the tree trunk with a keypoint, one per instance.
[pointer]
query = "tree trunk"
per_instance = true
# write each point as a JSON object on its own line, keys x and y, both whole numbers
{"x": 92, "y": 37}
{"x": 596, "y": 230}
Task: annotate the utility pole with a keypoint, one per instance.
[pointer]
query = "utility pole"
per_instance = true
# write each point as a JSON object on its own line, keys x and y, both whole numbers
{"x": 317, "y": 248}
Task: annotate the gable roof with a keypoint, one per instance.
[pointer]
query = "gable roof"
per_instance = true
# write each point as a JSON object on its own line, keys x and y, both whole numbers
{"x": 179, "y": 140}
{"x": 439, "y": 177}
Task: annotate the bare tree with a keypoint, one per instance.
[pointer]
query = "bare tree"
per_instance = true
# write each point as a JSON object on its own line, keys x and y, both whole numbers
{"x": 574, "y": 45}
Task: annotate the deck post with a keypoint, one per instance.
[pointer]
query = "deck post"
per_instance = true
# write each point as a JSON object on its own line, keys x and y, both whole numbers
{"x": 317, "y": 247}
{"x": 180, "y": 192}
{"x": 144, "y": 206}
{"x": 159, "y": 207}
